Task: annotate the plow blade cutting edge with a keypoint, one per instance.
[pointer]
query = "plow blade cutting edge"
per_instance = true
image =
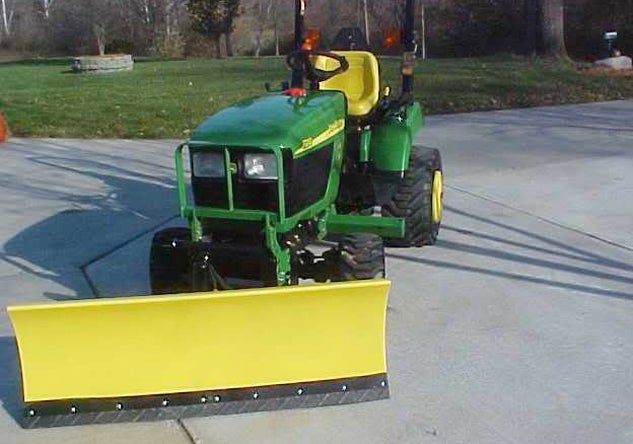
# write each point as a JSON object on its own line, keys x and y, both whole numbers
{"x": 168, "y": 357}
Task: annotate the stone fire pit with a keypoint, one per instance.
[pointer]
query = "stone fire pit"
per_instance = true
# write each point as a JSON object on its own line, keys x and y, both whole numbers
{"x": 103, "y": 64}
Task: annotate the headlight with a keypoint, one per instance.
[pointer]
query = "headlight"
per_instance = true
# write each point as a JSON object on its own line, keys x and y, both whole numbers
{"x": 260, "y": 166}
{"x": 208, "y": 164}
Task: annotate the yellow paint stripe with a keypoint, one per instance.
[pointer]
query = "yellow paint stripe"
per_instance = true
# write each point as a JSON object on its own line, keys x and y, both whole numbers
{"x": 313, "y": 142}
{"x": 195, "y": 342}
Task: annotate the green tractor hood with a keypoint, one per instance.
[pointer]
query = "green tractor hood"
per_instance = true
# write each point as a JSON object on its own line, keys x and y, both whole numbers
{"x": 275, "y": 120}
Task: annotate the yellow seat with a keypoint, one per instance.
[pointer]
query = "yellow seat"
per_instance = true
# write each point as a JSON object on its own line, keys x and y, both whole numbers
{"x": 360, "y": 83}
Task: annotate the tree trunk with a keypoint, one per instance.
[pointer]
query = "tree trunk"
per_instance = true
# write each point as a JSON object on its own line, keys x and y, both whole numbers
{"x": 258, "y": 44}
{"x": 218, "y": 46}
{"x": 553, "y": 27}
{"x": 531, "y": 27}
{"x": 276, "y": 28}
{"x": 47, "y": 8}
{"x": 100, "y": 35}
{"x": 423, "y": 30}
{"x": 229, "y": 44}
{"x": 5, "y": 18}
{"x": 366, "y": 18}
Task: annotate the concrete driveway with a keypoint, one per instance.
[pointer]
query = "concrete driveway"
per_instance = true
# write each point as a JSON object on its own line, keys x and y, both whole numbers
{"x": 517, "y": 327}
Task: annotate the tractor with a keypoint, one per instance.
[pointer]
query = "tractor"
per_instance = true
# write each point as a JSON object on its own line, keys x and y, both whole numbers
{"x": 309, "y": 182}
{"x": 330, "y": 156}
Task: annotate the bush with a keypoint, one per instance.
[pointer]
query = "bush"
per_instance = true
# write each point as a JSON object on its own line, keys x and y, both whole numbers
{"x": 588, "y": 21}
{"x": 119, "y": 47}
{"x": 474, "y": 28}
{"x": 172, "y": 46}
{"x": 195, "y": 45}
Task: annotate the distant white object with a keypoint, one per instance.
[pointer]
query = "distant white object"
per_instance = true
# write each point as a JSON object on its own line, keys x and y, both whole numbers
{"x": 619, "y": 63}
{"x": 610, "y": 35}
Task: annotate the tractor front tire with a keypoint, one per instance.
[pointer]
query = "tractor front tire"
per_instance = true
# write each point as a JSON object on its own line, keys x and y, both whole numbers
{"x": 170, "y": 267}
{"x": 361, "y": 256}
{"x": 415, "y": 199}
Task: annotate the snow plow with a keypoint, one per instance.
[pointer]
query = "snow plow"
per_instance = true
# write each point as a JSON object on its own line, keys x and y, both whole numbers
{"x": 153, "y": 358}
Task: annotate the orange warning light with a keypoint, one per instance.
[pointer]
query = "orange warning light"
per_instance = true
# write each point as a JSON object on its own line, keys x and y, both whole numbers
{"x": 392, "y": 38}
{"x": 312, "y": 39}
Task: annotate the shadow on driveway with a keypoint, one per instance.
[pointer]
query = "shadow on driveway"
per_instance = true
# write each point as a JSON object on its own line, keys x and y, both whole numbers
{"x": 559, "y": 252}
{"x": 608, "y": 116}
{"x": 10, "y": 391}
{"x": 126, "y": 206}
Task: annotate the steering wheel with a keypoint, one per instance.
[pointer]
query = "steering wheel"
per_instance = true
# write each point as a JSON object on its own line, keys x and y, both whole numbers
{"x": 314, "y": 74}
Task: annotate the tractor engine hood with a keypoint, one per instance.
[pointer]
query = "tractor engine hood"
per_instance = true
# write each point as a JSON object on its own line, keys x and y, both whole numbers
{"x": 274, "y": 120}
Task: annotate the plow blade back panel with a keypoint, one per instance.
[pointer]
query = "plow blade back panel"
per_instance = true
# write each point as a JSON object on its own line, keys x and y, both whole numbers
{"x": 195, "y": 354}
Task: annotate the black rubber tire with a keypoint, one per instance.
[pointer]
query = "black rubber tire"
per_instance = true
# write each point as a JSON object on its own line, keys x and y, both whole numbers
{"x": 412, "y": 200}
{"x": 361, "y": 256}
{"x": 170, "y": 267}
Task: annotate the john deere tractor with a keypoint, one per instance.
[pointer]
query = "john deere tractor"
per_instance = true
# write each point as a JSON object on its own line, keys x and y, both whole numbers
{"x": 330, "y": 155}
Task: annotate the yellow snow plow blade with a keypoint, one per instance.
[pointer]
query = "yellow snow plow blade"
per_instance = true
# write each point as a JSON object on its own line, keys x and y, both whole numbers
{"x": 177, "y": 350}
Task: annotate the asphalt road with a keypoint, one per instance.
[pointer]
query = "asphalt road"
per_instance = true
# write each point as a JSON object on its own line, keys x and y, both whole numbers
{"x": 517, "y": 327}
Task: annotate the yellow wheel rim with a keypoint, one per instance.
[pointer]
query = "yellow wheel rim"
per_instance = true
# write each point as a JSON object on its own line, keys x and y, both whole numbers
{"x": 436, "y": 197}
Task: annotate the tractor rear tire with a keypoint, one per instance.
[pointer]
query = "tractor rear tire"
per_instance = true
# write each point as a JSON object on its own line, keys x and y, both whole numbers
{"x": 361, "y": 256}
{"x": 170, "y": 267}
{"x": 413, "y": 199}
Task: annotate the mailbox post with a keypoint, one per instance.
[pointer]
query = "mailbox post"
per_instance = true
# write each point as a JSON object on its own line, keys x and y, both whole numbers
{"x": 609, "y": 38}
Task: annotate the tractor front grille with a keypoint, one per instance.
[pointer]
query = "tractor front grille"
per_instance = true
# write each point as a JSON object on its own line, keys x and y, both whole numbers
{"x": 255, "y": 195}
{"x": 305, "y": 182}
{"x": 210, "y": 192}
{"x": 310, "y": 176}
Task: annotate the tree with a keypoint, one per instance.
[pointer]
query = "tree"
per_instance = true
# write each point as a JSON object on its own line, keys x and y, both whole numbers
{"x": 421, "y": 5}
{"x": 531, "y": 27}
{"x": 158, "y": 16}
{"x": 275, "y": 13}
{"x": 232, "y": 11}
{"x": 154, "y": 24}
{"x": 215, "y": 18}
{"x": 101, "y": 16}
{"x": 552, "y": 20}
{"x": 8, "y": 10}
{"x": 260, "y": 12}
{"x": 586, "y": 21}
{"x": 46, "y": 6}
{"x": 366, "y": 22}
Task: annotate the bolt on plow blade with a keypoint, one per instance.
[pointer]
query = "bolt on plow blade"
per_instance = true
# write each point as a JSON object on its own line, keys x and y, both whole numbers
{"x": 177, "y": 356}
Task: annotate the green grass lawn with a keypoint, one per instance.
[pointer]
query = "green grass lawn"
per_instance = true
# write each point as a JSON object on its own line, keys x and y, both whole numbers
{"x": 169, "y": 98}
